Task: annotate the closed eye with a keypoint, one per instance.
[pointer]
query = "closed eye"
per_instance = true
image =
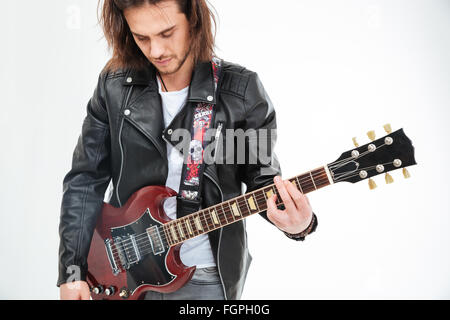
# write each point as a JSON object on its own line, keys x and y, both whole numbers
{"x": 167, "y": 35}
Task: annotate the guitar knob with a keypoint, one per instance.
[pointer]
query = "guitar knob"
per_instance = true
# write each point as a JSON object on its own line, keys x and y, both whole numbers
{"x": 98, "y": 289}
{"x": 387, "y": 128}
{"x": 355, "y": 142}
{"x": 124, "y": 293}
{"x": 110, "y": 291}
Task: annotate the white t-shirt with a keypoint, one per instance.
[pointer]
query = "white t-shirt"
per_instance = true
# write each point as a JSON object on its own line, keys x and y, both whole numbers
{"x": 195, "y": 251}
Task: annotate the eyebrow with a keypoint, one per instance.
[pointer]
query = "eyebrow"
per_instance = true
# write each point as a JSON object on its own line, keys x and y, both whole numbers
{"x": 160, "y": 33}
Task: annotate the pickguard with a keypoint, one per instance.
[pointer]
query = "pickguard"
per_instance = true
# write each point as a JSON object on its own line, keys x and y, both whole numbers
{"x": 150, "y": 269}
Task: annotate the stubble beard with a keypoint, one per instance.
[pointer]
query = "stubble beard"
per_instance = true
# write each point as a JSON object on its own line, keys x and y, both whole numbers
{"x": 180, "y": 64}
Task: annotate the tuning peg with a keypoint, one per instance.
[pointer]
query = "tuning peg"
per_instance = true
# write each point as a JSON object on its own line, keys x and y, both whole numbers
{"x": 387, "y": 128}
{"x": 371, "y": 135}
{"x": 406, "y": 173}
{"x": 372, "y": 184}
{"x": 388, "y": 178}
{"x": 355, "y": 142}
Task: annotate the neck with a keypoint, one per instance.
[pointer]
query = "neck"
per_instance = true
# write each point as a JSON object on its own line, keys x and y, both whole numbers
{"x": 230, "y": 211}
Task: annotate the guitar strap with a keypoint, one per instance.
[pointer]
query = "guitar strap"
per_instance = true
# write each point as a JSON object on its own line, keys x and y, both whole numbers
{"x": 189, "y": 195}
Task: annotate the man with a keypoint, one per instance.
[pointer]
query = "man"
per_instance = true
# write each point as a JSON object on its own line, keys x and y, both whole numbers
{"x": 160, "y": 69}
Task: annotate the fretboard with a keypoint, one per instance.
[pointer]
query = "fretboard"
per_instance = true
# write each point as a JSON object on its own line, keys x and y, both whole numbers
{"x": 235, "y": 209}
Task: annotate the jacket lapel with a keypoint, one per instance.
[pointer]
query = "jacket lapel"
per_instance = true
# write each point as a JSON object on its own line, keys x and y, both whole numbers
{"x": 145, "y": 102}
{"x": 145, "y": 106}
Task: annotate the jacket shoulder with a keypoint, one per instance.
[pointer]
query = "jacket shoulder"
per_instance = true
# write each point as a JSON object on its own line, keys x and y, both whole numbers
{"x": 235, "y": 78}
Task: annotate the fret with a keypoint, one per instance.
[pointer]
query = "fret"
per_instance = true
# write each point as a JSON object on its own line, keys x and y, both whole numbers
{"x": 312, "y": 179}
{"x": 192, "y": 225}
{"x": 322, "y": 180}
{"x": 279, "y": 200}
{"x": 209, "y": 219}
{"x": 269, "y": 194}
{"x": 261, "y": 203}
{"x": 245, "y": 214}
{"x": 256, "y": 201}
{"x": 299, "y": 184}
{"x": 306, "y": 183}
{"x": 180, "y": 230}
{"x": 169, "y": 239}
{"x": 198, "y": 224}
{"x": 228, "y": 219}
{"x": 264, "y": 194}
{"x": 221, "y": 214}
{"x": 231, "y": 212}
{"x": 246, "y": 204}
{"x": 204, "y": 221}
{"x": 174, "y": 235}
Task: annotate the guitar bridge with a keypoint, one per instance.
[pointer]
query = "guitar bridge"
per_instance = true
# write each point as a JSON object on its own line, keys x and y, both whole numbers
{"x": 112, "y": 260}
{"x": 127, "y": 251}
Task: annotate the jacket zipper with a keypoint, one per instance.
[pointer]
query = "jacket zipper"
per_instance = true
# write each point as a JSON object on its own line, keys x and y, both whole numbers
{"x": 121, "y": 148}
{"x": 216, "y": 139}
{"x": 220, "y": 237}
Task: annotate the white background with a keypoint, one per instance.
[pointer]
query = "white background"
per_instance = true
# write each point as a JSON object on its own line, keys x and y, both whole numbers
{"x": 333, "y": 69}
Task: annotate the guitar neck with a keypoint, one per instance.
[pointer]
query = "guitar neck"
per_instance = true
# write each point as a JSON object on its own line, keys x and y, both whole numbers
{"x": 238, "y": 208}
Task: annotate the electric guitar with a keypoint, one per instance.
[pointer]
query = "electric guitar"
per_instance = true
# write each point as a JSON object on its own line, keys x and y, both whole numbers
{"x": 136, "y": 248}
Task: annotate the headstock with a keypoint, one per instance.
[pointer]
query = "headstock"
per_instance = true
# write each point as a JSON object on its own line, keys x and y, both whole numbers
{"x": 391, "y": 152}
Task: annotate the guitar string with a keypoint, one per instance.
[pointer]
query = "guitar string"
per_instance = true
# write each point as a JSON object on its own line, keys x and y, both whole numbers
{"x": 204, "y": 219}
{"x": 128, "y": 243}
{"x": 332, "y": 166}
{"x": 210, "y": 227}
{"x": 366, "y": 168}
{"x": 144, "y": 250}
{"x": 138, "y": 239}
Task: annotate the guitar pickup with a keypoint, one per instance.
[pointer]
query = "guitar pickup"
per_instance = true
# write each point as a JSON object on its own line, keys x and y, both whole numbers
{"x": 155, "y": 240}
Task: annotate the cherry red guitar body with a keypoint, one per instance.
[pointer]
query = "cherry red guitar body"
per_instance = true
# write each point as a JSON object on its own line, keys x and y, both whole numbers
{"x": 129, "y": 254}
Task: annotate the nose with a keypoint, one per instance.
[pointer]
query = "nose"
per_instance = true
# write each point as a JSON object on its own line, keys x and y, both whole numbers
{"x": 157, "y": 49}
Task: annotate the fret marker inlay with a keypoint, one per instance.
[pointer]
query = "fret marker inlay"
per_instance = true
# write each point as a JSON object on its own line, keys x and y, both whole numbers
{"x": 197, "y": 223}
{"x": 174, "y": 234}
{"x": 188, "y": 225}
{"x": 251, "y": 203}
{"x": 235, "y": 209}
{"x": 214, "y": 216}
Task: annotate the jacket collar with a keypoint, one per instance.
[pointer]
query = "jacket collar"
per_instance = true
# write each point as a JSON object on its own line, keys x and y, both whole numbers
{"x": 201, "y": 88}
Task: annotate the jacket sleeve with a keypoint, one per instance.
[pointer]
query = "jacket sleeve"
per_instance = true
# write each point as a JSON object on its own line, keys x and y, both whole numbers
{"x": 84, "y": 187}
{"x": 261, "y": 164}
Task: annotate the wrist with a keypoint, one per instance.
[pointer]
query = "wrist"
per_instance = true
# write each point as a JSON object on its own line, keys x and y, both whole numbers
{"x": 310, "y": 229}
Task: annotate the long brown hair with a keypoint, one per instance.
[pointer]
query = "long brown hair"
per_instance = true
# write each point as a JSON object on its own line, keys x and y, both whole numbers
{"x": 126, "y": 53}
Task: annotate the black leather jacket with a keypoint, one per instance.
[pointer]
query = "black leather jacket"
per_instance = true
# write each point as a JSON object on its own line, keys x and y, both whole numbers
{"x": 123, "y": 140}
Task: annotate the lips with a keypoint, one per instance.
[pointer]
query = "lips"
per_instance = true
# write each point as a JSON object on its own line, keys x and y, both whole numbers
{"x": 163, "y": 62}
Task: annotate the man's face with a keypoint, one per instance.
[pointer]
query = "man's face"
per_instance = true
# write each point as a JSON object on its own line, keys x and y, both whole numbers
{"x": 162, "y": 33}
